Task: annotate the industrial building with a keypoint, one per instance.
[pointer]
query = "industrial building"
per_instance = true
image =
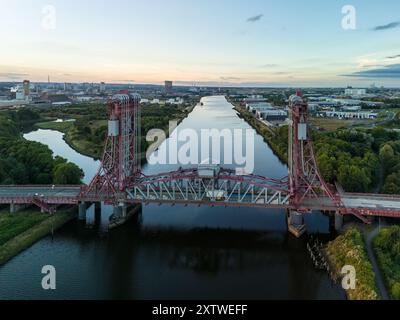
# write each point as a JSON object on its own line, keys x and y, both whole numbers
{"x": 350, "y": 115}
{"x": 266, "y": 111}
{"x": 168, "y": 86}
{"x": 259, "y": 106}
{"x": 355, "y": 92}
{"x": 102, "y": 87}
{"x": 272, "y": 115}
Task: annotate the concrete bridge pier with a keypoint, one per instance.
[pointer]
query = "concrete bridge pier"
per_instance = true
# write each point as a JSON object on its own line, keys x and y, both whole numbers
{"x": 82, "y": 211}
{"x": 123, "y": 213}
{"x": 296, "y": 224}
{"x": 90, "y": 215}
{"x": 107, "y": 211}
{"x": 14, "y": 208}
{"x": 338, "y": 221}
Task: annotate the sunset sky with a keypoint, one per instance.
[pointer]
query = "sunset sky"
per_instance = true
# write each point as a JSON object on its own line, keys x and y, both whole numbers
{"x": 208, "y": 42}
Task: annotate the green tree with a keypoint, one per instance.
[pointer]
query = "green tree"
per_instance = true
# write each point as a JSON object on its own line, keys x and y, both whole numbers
{"x": 386, "y": 154}
{"x": 68, "y": 173}
{"x": 396, "y": 291}
{"x": 327, "y": 167}
{"x": 353, "y": 178}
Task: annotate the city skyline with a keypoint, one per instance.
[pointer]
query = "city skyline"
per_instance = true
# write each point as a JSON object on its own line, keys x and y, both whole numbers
{"x": 215, "y": 43}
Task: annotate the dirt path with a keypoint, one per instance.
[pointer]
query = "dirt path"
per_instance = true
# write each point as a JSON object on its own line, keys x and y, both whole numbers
{"x": 369, "y": 237}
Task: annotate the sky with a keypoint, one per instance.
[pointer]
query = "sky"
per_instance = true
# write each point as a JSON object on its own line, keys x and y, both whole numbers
{"x": 206, "y": 42}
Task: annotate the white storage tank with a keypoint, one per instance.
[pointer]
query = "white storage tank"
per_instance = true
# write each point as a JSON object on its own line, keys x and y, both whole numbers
{"x": 113, "y": 128}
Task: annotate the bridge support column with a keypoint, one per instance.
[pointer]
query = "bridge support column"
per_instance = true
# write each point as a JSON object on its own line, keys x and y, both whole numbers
{"x": 123, "y": 213}
{"x": 296, "y": 224}
{"x": 90, "y": 215}
{"x": 82, "y": 211}
{"x": 338, "y": 221}
{"x": 107, "y": 212}
{"x": 14, "y": 208}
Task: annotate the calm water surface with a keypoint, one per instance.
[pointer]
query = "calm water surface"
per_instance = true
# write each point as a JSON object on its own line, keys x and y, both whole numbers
{"x": 176, "y": 252}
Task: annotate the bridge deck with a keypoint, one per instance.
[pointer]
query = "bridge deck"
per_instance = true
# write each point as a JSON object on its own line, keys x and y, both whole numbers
{"x": 49, "y": 194}
{"x": 366, "y": 204}
{"x": 371, "y": 202}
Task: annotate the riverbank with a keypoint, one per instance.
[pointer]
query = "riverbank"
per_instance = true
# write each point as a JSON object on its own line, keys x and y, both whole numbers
{"x": 276, "y": 138}
{"x": 72, "y": 138}
{"x": 349, "y": 249}
{"x": 25, "y": 229}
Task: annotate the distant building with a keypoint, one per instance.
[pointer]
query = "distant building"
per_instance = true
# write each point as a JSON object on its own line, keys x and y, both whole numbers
{"x": 168, "y": 86}
{"x": 259, "y": 106}
{"x": 157, "y": 101}
{"x": 355, "y": 92}
{"x": 272, "y": 115}
{"x": 351, "y": 108}
{"x": 20, "y": 94}
{"x": 102, "y": 87}
{"x": 176, "y": 101}
{"x": 351, "y": 115}
{"x": 68, "y": 86}
{"x": 27, "y": 88}
{"x": 254, "y": 100}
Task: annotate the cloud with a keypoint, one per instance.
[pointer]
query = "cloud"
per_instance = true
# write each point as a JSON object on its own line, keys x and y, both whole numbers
{"x": 230, "y": 79}
{"x": 393, "y": 57}
{"x": 255, "y": 18}
{"x": 126, "y": 80}
{"x": 281, "y": 73}
{"x": 387, "y": 72}
{"x": 271, "y": 65}
{"x": 13, "y": 76}
{"x": 388, "y": 26}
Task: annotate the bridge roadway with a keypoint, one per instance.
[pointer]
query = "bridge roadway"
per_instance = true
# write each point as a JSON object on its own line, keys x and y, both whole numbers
{"x": 49, "y": 194}
{"x": 373, "y": 204}
{"x": 365, "y": 204}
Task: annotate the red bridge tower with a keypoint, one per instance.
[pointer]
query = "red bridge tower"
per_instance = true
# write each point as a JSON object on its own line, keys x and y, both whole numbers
{"x": 121, "y": 160}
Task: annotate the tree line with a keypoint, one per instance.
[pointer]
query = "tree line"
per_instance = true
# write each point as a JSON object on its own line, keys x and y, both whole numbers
{"x": 28, "y": 162}
{"x": 360, "y": 160}
{"x": 387, "y": 249}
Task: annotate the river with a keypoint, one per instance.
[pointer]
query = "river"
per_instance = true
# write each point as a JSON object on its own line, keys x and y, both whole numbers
{"x": 176, "y": 252}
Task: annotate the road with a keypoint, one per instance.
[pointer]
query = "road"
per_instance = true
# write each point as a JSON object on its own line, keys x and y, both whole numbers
{"x": 367, "y": 201}
{"x": 23, "y": 194}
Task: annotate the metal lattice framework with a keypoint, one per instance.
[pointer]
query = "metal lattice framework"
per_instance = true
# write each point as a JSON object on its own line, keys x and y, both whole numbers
{"x": 305, "y": 180}
{"x": 226, "y": 188}
{"x": 120, "y": 164}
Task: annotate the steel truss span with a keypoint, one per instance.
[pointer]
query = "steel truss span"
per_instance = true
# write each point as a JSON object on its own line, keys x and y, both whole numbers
{"x": 226, "y": 189}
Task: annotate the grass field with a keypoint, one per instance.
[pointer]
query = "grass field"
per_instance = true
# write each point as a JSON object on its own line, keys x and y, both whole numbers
{"x": 21, "y": 230}
{"x": 332, "y": 124}
{"x": 12, "y": 225}
{"x": 59, "y": 126}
